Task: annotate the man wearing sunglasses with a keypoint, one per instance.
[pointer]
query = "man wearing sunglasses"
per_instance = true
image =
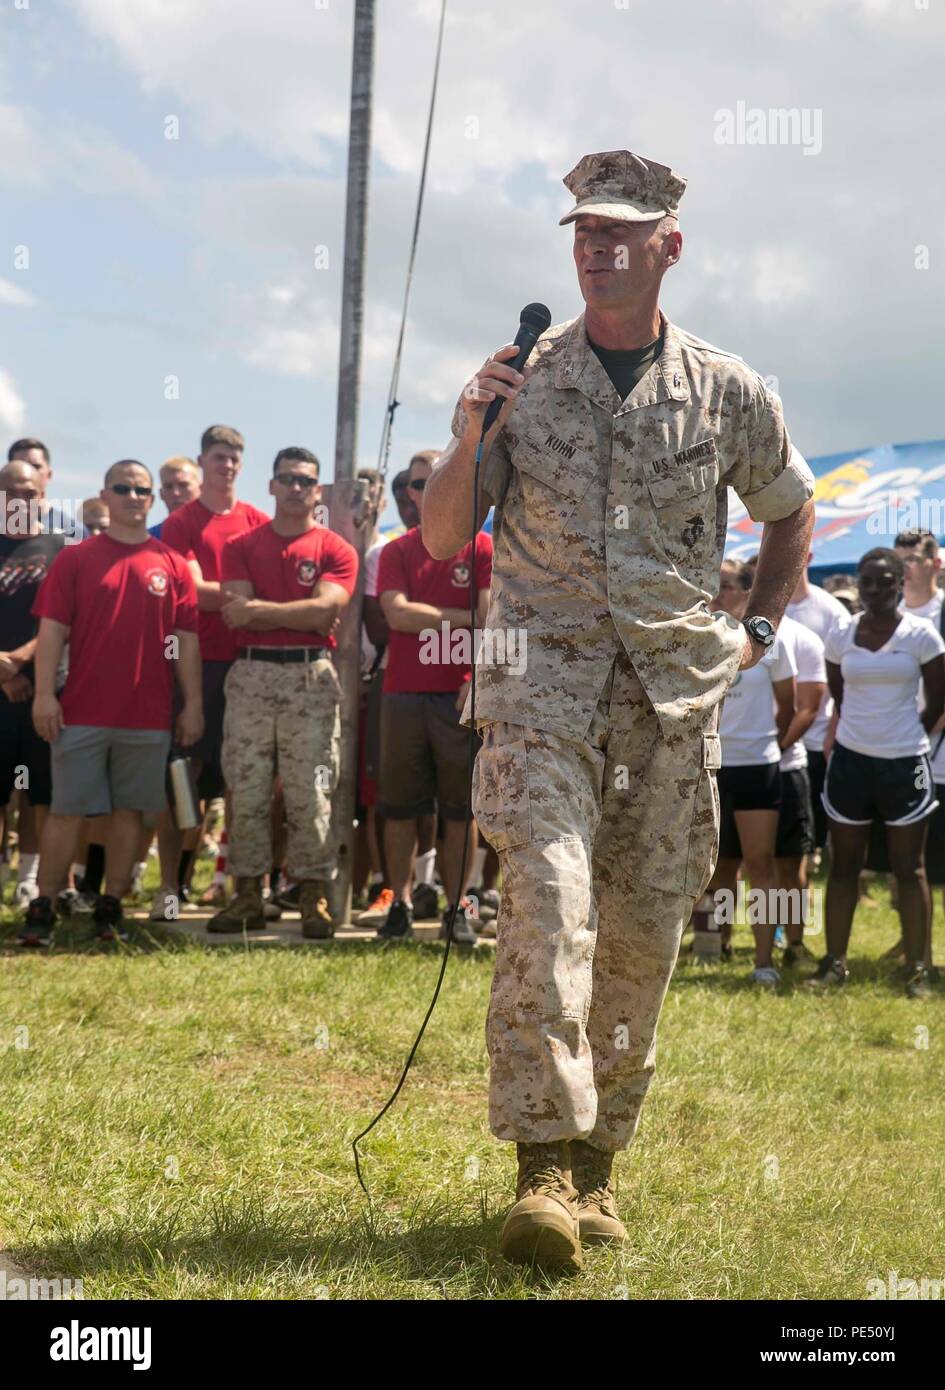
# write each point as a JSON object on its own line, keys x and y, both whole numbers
{"x": 127, "y": 606}
{"x": 424, "y": 761}
{"x": 284, "y": 585}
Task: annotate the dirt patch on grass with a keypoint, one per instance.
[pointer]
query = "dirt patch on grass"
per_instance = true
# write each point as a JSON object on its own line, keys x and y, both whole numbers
{"x": 310, "y": 1073}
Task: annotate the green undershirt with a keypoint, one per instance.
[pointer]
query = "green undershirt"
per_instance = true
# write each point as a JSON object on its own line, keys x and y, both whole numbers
{"x": 626, "y": 367}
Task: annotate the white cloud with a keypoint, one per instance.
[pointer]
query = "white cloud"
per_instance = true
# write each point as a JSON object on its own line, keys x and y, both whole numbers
{"x": 780, "y": 275}
{"x": 12, "y": 405}
{"x": 26, "y": 158}
{"x": 795, "y": 262}
{"x": 43, "y": 155}
{"x": 14, "y": 295}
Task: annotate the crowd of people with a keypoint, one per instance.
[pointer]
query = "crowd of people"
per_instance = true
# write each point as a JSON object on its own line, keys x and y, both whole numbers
{"x": 212, "y": 634}
{"x": 832, "y": 745}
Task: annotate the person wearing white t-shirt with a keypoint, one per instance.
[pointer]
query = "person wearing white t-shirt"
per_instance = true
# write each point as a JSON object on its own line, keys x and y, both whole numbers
{"x": 922, "y": 598}
{"x": 756, "y": 714}
{"x": 818, "y": 611}
{"x": 795, "y": 838}
{"x": 879, "y": 766}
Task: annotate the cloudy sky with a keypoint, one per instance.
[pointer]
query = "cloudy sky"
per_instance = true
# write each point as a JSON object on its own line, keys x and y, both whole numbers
{"x": 196, "y": 258}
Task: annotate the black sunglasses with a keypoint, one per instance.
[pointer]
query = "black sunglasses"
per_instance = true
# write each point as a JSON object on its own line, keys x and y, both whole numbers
{"x": 418, "y": 484}
{"x": 296, "y": 480}
{"x": 126, "y": 489}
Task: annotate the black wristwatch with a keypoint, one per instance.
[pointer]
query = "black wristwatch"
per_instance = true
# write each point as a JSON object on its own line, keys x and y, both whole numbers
{"x": 760, "y": 630}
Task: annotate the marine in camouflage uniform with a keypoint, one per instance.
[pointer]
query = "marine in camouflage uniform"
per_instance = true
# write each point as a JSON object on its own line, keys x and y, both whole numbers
{"x": 595, "y": 782}
{"x": 285, "y": 584}
{"x": 286, "y": 717}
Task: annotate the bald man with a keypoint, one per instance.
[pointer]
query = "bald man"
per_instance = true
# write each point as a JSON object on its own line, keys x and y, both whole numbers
{"x": 26, "y": 554}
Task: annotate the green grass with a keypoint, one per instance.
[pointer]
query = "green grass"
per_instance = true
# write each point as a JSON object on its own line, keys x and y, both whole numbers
{"x": 179, "y": 1126}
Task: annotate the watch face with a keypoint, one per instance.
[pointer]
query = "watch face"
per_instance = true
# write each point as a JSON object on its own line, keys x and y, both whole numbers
{"x": 761, "y": 629}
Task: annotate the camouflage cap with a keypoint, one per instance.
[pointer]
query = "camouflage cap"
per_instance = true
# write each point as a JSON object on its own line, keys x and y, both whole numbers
{"x": 623, "y": 186}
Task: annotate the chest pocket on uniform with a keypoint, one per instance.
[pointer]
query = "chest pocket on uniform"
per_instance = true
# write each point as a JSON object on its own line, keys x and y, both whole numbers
{"x": 684, "y": 475}
{"x": 554, "y": 473}
{"x": 682, "y": 491}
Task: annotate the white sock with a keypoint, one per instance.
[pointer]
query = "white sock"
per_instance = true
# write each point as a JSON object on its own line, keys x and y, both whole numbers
{"x": 478, "y": 864}
{"x": 423, "y": 867}
{"x": 29, "y": 864}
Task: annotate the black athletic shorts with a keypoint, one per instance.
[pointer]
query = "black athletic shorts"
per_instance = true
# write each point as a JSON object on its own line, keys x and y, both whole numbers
{"x": 24, "y": 756}
{"x": 796, "y": 817}
{"x": 859, "y": 788}
{"x": 756, "y": 787}
{"x": 816, "y": 772}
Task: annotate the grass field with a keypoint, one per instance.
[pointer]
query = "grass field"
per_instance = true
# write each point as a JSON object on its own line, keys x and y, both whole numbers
{"x": 176, "y": 1123}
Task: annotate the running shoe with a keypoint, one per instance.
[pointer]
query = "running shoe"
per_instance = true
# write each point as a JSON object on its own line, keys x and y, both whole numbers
{"x": 918, "y": 984}
{"x": 37, "y": 928}
{"x": 376, "y": 914}
{"x": 398, "y": 925}
{"x": 426, "y": 901}
{"x": 464, "y": 932}
{"x": 108, "y": 920}
{"x": 831, "y": 973}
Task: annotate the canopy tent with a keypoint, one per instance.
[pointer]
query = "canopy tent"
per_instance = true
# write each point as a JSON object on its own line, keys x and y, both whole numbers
{"x": 863, "y": 498}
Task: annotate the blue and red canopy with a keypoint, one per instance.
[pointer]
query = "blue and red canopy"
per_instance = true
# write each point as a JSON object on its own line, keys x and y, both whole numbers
{"x": 863, "y": 498}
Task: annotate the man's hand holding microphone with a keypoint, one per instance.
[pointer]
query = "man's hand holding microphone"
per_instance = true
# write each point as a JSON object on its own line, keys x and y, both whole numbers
{"x": 488, "y": 399}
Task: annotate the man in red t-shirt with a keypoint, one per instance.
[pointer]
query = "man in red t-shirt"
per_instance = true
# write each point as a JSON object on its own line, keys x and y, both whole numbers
{"x": 128, "y": 608}
{"x": 284, "y": 585}
{"x": 199, "y": 531}
{"x": 424, "y": 750}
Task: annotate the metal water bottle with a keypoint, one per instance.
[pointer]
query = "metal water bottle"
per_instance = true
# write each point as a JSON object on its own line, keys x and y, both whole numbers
{"x": 182, "y": 792}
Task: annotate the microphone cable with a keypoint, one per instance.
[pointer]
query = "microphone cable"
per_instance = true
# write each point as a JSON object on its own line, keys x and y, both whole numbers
{"x": 473, "y": 604}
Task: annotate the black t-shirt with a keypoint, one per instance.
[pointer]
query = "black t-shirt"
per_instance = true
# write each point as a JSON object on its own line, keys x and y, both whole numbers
{"x": 24, "y": 564}
{"x": 627, "y": 366}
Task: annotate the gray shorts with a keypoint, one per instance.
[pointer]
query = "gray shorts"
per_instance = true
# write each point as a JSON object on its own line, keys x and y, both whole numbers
{"x": 96, "y": 771}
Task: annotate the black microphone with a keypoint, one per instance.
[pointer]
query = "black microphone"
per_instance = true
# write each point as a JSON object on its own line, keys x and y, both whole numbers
{"x": 535, "y": 319}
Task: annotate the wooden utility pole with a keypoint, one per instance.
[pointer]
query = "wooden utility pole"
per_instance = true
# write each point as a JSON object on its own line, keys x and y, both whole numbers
{"x": 349, "y": 506}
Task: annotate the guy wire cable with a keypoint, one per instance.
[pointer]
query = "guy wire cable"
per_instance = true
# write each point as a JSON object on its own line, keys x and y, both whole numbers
{"x": 473, "y": 603}
{"x": 392, "y": 401}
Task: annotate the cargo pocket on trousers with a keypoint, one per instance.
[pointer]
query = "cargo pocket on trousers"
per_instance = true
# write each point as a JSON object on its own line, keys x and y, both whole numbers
{"x": 704, "y": 835}
{"x": 500, "y": 792}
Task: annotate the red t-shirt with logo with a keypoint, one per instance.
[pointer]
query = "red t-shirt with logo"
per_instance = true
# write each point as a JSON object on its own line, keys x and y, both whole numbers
{"x": 416, "y": 663}
{"x": 284, "y": 569}
{"x": 197, "y": 533}
{"x": 121, "y": 603}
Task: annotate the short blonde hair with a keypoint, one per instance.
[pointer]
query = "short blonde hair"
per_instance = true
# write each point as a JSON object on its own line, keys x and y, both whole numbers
{"x": 424, "y": 456}
{"x": 176, "y": 464}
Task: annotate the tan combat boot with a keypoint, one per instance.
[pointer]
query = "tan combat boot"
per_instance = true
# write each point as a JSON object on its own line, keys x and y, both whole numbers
{"x": 245, "y": 910}
{"x": 542, "y": 1227}
{"x": 597, "y": 1214}
{"x": 313, "y": 905}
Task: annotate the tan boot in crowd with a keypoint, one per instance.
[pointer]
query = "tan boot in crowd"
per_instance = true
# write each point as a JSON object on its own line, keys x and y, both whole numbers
{"x": 597, "y": 1214}
{"x": 246, "y": 909}
{"x": 313, "y": 906}
{"x": 542, "y": 1227}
